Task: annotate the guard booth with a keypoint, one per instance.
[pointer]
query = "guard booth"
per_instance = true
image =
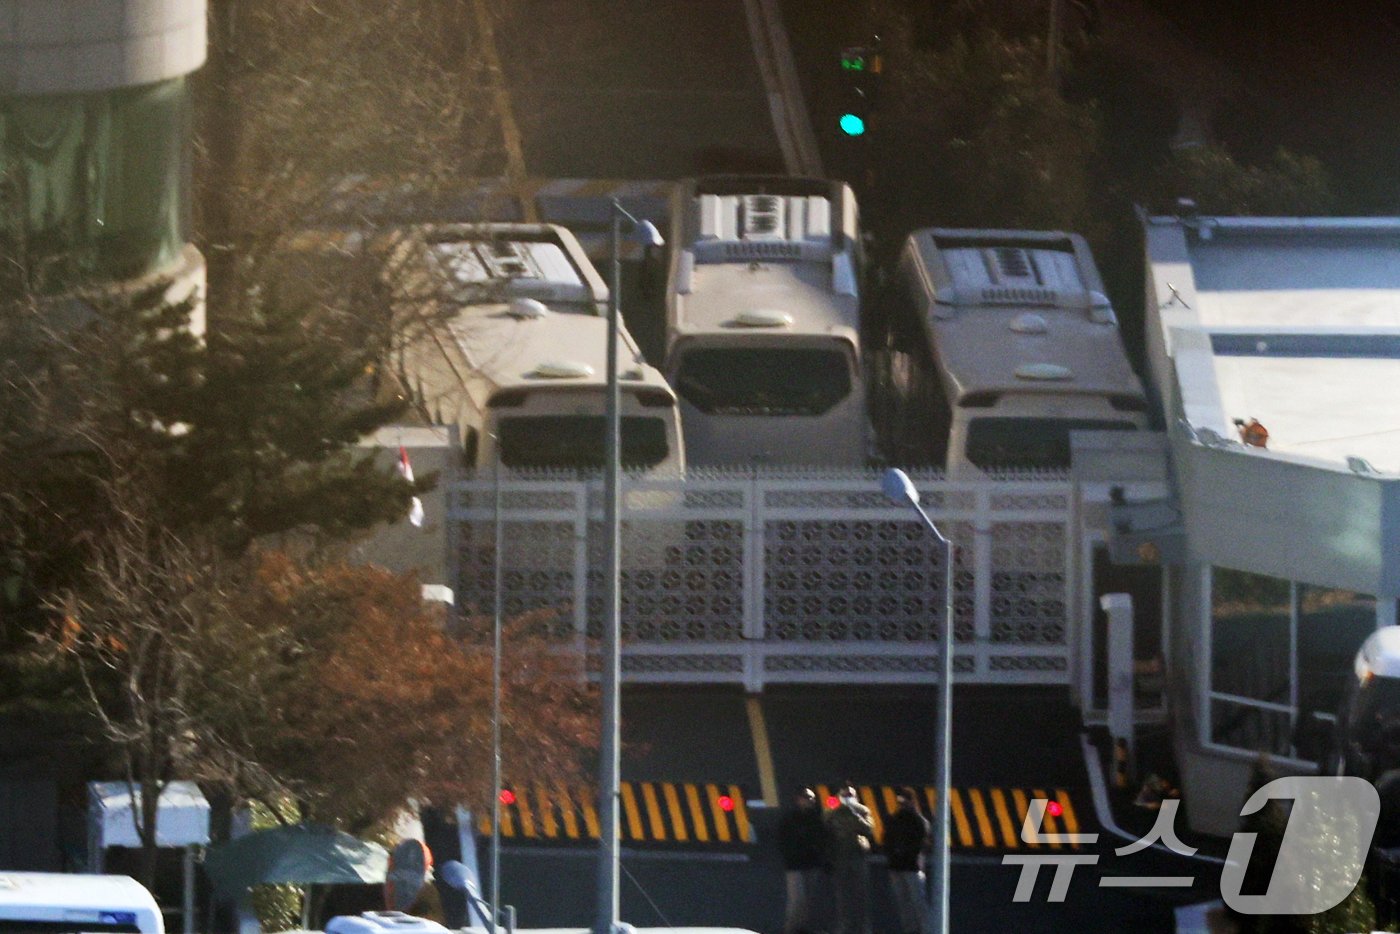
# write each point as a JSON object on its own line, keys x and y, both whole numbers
{"x": 182, "y": 822}
{"x": 1292, "y": 534}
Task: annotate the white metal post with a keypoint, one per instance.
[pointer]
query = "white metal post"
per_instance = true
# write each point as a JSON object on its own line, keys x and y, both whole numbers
{"x": 1118, "y": 607}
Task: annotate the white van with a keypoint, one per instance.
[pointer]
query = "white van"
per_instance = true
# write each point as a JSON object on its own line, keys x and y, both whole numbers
{"x": 51, "y": 901}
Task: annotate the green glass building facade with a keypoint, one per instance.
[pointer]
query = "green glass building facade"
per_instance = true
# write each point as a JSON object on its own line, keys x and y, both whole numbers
{"x": 95, "y": 141}
{"x": 96, "y": 185}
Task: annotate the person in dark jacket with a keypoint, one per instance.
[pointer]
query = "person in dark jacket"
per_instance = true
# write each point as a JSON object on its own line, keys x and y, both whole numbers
{"x": 850, "y": 830}
{"x": 906, "y": 837}
{"x": 802, "y": 842}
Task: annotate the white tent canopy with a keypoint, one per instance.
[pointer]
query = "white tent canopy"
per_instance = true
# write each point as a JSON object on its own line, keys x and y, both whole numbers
{"x": 182, "y": 820}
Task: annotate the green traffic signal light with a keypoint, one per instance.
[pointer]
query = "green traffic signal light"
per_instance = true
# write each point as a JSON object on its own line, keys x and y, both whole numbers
{"x": 852, "y": 124}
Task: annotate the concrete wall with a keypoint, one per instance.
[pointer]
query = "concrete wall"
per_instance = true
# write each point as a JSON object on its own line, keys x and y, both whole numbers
{"x": 1295, "y": 521}
{"x": 73, "y": 46}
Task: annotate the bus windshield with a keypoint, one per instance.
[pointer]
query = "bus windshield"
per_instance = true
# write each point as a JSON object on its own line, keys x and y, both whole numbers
{"x": 576, "y": 441}
{"x": 1029, "y": 443}
{"x": 764, "y": 380}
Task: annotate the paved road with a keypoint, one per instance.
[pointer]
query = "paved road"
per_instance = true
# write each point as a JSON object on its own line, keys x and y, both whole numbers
{"x": 1006, "y": 738}
{"x": 635, "y": 88}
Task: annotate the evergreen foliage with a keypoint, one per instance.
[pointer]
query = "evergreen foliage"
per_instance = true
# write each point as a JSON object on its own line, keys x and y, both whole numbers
{"x": 247, "y": 434}
{"x": 1355, "y": 913}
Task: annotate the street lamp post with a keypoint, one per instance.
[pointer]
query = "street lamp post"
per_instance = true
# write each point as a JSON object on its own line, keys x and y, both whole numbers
{"x": 497, "y": 624}
{"x": 610, "y": 766}
{"x": 900, "y": 489}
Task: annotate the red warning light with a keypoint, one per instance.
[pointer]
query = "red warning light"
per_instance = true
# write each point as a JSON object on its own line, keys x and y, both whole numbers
{"x": 507, "y": 796}
{"x": 1054, "y": 809}
{"x": 832, "y": 801}
{"x": 725, "y": 802}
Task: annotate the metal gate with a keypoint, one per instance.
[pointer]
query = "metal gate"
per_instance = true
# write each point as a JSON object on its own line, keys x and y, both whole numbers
{"x": 769, "y": 578}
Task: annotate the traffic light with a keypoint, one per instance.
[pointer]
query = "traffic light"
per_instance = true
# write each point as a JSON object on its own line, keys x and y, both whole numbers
{"x": 861, "y": 66}
{"x": 852, "y": 122}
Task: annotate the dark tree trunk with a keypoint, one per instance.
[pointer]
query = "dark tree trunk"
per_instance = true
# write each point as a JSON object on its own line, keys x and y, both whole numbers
{"x": 150, "y": 852}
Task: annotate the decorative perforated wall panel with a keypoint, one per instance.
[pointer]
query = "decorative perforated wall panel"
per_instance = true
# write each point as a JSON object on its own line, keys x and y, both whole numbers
{"x": 760, "y": 567}
{"x": 1028, "y": 583}
{"x": 681, "y": 580}
{"x": 841, "y": 580}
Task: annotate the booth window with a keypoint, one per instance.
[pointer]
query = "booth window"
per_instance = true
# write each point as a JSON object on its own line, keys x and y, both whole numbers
{"x": 1279, "y": 651}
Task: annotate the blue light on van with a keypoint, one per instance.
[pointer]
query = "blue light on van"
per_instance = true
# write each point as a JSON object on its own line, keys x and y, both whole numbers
{"x": 117, "y": 917}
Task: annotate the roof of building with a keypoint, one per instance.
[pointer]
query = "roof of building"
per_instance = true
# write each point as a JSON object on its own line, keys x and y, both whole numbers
{"x": 1296, "y": 324}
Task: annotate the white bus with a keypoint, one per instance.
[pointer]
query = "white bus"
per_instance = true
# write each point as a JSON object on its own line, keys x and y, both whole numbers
{"x": 763, "y": 322}
{"x": 990, "y": 346}
{"x": 59, "y": 902}
{"x": 505, "y": 336}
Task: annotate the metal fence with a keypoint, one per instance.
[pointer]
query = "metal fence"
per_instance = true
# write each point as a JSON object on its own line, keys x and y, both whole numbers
{"x": 772, "y": 578}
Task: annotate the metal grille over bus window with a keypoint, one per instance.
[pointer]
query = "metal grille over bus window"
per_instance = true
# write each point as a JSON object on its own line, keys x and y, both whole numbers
{"x": 506, "y": 260}
{"x": 748, "y": 250}
{"x": 1012, "y": 262}
{"x": 762, "y": 217}
{"x": 1007, "y": 295}
{"x": 1017, "y": 278}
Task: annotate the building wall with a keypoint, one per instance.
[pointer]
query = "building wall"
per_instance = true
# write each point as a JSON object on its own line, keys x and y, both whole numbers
{"x": 77, "y": 46}
{"x": 95, "y": 142}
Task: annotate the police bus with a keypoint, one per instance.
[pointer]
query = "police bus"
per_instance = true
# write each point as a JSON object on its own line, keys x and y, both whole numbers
{"x": 504, "y": 335}
{"x": 763, "y": 322}
{"x": 990, "y": 346}
{"x": 51, "y": 901}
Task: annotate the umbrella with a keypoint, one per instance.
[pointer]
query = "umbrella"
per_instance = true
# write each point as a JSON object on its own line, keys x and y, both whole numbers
{"x": 301, "y": 853}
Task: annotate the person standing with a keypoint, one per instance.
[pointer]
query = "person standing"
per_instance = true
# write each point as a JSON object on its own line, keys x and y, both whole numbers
{"x": 802, "y": 843}
{"x": 906, "y": 837}
{"x": 850, "y": 831}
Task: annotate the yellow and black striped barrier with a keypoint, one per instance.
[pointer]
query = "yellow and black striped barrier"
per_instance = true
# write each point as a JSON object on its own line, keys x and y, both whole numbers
{"x": 652, "y": 812}
{"x": 991, "y": 818}
{"x": 715, "y": 814}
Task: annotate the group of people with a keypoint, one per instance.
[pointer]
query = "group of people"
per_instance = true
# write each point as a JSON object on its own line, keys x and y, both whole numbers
{"x": 825, "y": 851}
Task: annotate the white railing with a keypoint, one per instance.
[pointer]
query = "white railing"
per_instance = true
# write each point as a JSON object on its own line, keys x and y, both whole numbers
{"x": 770, "y": 578}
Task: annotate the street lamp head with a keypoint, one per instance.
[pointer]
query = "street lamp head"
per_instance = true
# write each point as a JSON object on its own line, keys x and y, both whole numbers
{"x": 898, "y": 487}
{"x": 642, "y": 232}
{"x": 645, "y": 233}
{"x": 454, "y": 875}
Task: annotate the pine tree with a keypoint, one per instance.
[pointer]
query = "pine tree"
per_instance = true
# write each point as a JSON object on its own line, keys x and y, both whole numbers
{"x": 271, "y": 431}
